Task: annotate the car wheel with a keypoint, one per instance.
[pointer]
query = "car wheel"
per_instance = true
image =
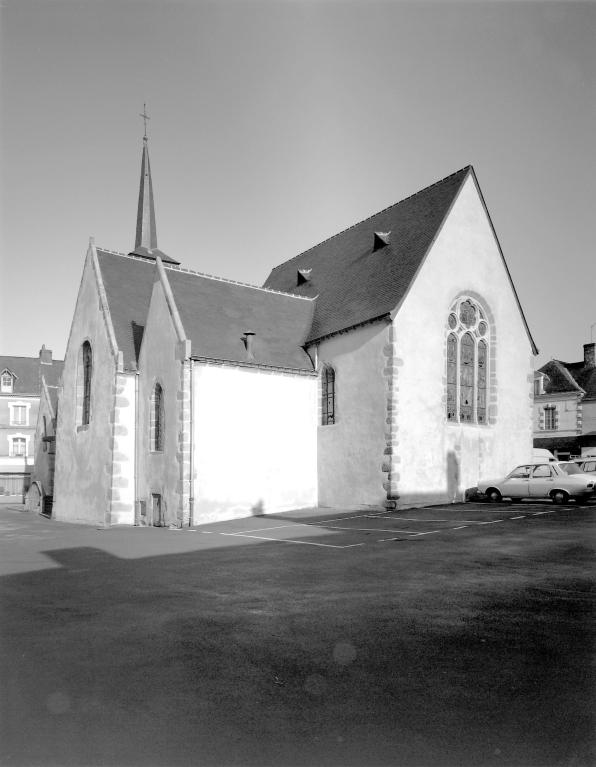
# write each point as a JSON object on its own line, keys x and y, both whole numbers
{"x": 560, "y": 496}
{"x": 493, "y": 495}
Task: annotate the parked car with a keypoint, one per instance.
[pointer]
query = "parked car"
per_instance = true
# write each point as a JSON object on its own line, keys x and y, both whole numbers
{"x": 558, "y": 481}
{"x": 586, "y": 464}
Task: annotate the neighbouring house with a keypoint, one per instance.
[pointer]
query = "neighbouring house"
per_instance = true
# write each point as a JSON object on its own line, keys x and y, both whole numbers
{"x": 565, "y": 406}
{"x": 41, "y": 488}
{"x": 389, "y": 366}
{"x": 20, "y": 390}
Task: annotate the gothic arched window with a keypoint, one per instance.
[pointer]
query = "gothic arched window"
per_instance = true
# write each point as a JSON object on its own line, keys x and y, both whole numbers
{"x": 467, "y": 363}
{"x": 156, "y": 420}
{"x": 328, "y": 396}
{"x": 83, "y": 390}
{"x": 87, "y": 372}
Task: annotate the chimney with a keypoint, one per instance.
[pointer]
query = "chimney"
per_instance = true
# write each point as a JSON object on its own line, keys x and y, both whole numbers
{"x": 247, "y": 338}
{"x": 45, "y": 355}
{"x": 589, "y": 360}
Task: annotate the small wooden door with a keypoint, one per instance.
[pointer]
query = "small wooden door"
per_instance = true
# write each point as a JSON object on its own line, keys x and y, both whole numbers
{"x": 156, "y": 510}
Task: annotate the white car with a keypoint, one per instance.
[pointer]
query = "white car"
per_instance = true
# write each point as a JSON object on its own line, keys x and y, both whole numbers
{"x": 558, "y": 481}
{"x": 587, "y": 465}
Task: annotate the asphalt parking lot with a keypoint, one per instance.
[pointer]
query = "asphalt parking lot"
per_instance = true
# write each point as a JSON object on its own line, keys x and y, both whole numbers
{"x": 449, "y": 635}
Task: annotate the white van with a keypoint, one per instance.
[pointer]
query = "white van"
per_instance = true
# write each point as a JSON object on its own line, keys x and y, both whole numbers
{"x": 541, "y": 454}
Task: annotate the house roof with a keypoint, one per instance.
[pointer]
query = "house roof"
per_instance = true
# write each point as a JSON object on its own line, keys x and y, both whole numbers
{"x": 576, "y": 377}
{"x": 558, "y": 380}
{"x": 27, "y": 372}
{"x": 355, "y": 274}
{"x": 215, "y": 314}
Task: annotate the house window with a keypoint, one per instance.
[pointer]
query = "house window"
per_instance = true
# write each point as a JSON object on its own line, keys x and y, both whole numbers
{"x": 156, "y": 420}
{"x": 467, "y": 363}
{"x": 550, "y": 418}
{"x": 6, "y": 381}
{"x": 328, "y": 396}
{"x": 18, "y": 415}
{"x": 19, "y": 446}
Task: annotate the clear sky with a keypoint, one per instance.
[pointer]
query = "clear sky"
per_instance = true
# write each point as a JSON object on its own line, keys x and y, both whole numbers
{"x": 275, "y": 125}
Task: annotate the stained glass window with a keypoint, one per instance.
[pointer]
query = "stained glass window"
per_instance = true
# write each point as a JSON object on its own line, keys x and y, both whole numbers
{"x": 466, "y": 377}
{"x": 481, "y": 384}
{"x": 451, "y": 377}
{"x": 467, "y": 363}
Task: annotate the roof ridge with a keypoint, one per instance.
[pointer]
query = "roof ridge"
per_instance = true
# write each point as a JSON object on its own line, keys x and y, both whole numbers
{"x": 372, "y": 215}
{"x": 178, "y": 268}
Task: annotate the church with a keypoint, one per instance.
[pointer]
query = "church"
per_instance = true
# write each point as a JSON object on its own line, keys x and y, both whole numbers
{"x": 388, "y": 367}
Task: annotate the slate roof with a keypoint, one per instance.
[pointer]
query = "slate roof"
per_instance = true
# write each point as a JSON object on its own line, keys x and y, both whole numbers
{"x": 576, "y": 377}
{"x": 215, "y": 314}
{"x": 358, "y": 279}
{"x": 28, "y": 372}
{"x": 128, "y": 283}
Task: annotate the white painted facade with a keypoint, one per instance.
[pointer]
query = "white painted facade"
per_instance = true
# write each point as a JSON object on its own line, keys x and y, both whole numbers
{"x": 392, "y": 434}
{"x": 351, "y": 451}
{"x": 254, "y": 441}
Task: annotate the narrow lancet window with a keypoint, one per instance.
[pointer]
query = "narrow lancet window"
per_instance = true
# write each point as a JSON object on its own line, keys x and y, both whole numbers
{"x": 328, "y": 396}
{"x": 466, "y": 378}
{"x": 451, "y": 377}
{"x": 156, "y": 420}
{"x": 85, "y": 374}
{"x": 481, "y": 384}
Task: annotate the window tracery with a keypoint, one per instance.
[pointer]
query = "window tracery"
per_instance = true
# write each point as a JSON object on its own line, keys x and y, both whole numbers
{"x": 467, "y": 362}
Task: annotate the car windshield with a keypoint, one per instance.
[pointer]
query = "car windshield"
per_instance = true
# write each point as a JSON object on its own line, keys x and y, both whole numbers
{"x": 570, "y": 468}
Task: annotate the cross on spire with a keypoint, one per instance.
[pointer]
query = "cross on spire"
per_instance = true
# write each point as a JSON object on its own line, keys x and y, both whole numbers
{"x": 145, "y": 117}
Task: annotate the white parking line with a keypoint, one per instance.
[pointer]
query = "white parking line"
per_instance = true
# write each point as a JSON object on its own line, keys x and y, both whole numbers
{"x": 287, "y": 540}
{"x": 523, "y": 516}
{"x": 461, "y": 527}
{"x": 369, "y": 529}
{"x": 492, "y": 522}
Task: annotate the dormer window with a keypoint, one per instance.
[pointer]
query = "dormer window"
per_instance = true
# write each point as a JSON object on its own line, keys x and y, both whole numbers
{"x": 6, "y": 382}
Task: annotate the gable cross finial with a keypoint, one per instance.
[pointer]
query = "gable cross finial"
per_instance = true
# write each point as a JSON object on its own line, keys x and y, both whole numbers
{"x": 145, "y": 117}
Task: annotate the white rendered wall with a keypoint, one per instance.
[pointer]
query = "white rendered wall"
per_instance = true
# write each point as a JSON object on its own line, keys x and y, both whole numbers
{"x": 351, "y": 451}
{"x": 254, "y": 442}
{"x": 439, "y": 460}
{"x": 123, "y": 480}
{"x": 588, "y": 416}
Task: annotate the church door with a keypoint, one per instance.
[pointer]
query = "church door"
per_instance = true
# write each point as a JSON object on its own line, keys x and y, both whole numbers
{"x": 156, "y": 510}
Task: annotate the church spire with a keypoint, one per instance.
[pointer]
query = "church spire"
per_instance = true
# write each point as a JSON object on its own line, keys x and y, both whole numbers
{"x": 146, "y": 234}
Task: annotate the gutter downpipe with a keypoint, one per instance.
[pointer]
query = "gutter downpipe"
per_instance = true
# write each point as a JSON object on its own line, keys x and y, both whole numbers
{"x": 191, "y": 500}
